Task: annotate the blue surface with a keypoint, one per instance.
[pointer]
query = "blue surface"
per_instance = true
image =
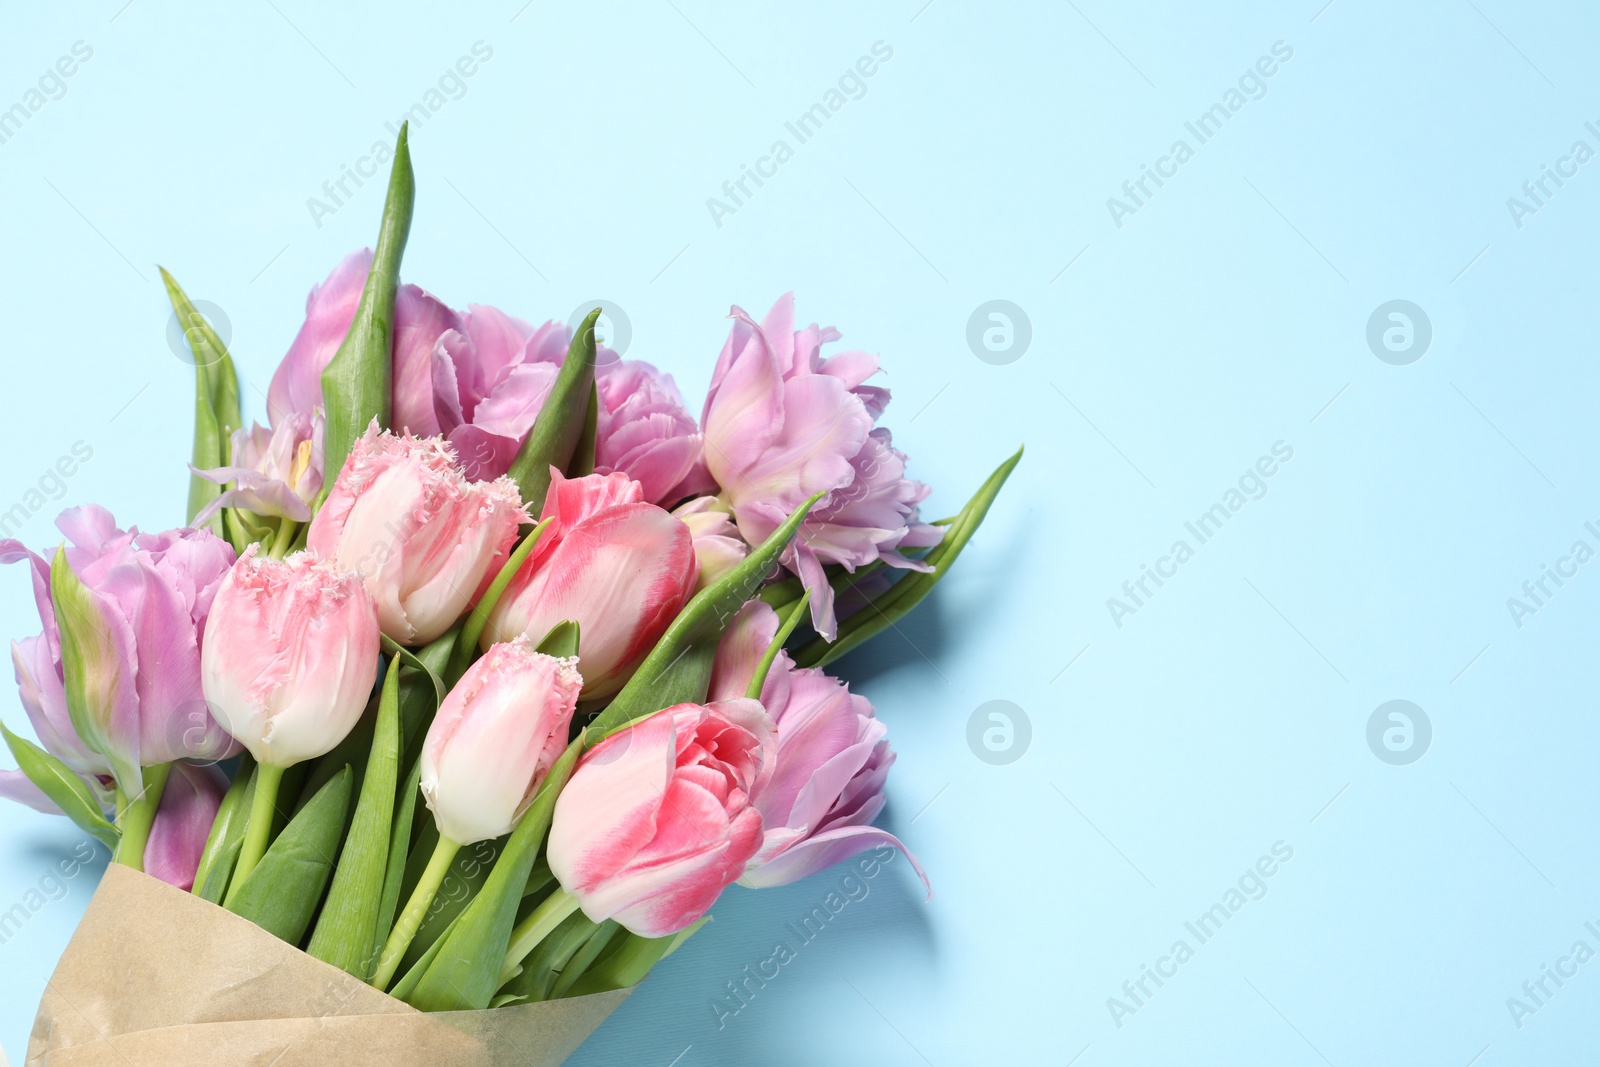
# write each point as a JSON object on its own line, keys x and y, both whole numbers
{"x": 1226, "y": 313}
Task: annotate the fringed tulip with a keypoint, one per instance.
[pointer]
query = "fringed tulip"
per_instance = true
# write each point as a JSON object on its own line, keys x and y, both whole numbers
{"x": 833, "y": 758}
{"x": 183, "y": 822}
{"x": 657, "y": 819}
{"x": 494, "y": 739}
{"x": 275, "y": 473}
{"x": 782, "y": 423}
{"x": 620, "y": 568}
{"x": 423, "y": 538}
{"x": 291, "y": 654}
{"x": 140, "y": 607}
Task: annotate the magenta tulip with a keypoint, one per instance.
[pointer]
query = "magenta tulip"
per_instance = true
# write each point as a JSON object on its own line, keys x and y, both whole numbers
{"x": 831, "y": 764}
{"x": 782, "y": 423}
{"x": 657, "y": 819}
{"x": 494, "y": 739}
{"x": 142, "y": 601}
{"x": 423, "y": 538}
{"x": 291, "y": 654}
{"x": 621, "y": 568}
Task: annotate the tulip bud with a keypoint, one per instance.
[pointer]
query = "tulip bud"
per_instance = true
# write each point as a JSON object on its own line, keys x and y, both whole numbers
{"x": 495, "y": 737}
{"x": 620, "y": 568}
{"x": 657, "y": 820}
{"x": 290, "y": 656}
{"x": 422, "y": 537}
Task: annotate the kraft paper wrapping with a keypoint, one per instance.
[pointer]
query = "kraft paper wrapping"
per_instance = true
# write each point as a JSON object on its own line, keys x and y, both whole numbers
{"x": 155, "y": 976}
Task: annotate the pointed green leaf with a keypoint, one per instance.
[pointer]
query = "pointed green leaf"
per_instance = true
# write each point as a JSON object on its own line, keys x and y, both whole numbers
{"x": 759, "y": 678}
{"x": 466, "y": 971}
{"x": 626, "y": 964}
{"x": 544, "y": 964}
{"x": 559, "y": 425}
{"x": 94, "y": 671}
{"x": 355, "y": 384}
{"x": 561, "y": 641}
{"x": 345, "y": 931}
{"x": 909, "y": 591}
{"x": 685, "y": 651}
{"x": 583, "y": 959}
{"x": 583, "y": 456}
{"x": 216, "y": 390}
{"x": 282, "y": 893}
{"x": 65, "y": 789}
{"x": 399, "y": 852}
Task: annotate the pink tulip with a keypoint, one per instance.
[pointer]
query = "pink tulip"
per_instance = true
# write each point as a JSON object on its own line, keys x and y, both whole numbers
{"x": 291, "y": 655}
{"x": 644, "y": 431}
{"x": 420, "y": 321}
{"x": 781, "y": 423}
{"x": 183, "y": 822}
{"x": 423, "y": 538}
{"x": 832, "y": 759}
{"x": 275, "y": 472}
{"x": 657, "y": 818}
{"x": 494, "y": 739}
{"x": 622, "y": 569}
{"x": 149, "y": 596}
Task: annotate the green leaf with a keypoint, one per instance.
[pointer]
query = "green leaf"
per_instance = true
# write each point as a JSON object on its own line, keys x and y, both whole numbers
{"x": 355, "y": 384}
{"x": 472, "y": 628}
{"x": 629, "y": 960}
{"x": 583, "y": 959}
{"x": 65, "y": 789}
{"x": 346, "y": 928}
{"x": 93, "y": 668}
{"x": 908, "y": 592}
{"x": 216, "y": 409}
{"x": 402, "y": 989}
{"x": 215, "y": 887}
{"x": 460, "y": 887}
{"x": 685, "y": 651}
{"x": 228, "y": 825}
{"x": 583, "y": 455}
{"x": 399, "y": 852}
{"x": 559, "y": 425}
{"x": 544, "y": 964}
{"x": 466, "y": 972}
{"x": 282, "y": 893}
{"x": 561, "y": 641}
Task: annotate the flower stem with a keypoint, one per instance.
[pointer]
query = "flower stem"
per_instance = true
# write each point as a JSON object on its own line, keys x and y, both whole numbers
{"x": 410, "y": 921}
{"x": 263, "y": 807}
{"x": 287, "y": 529}
{"x": 139, "y": 814}
{"x": 532, "y": 930}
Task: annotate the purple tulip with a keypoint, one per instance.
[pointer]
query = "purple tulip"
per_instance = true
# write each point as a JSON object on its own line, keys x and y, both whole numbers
{"x": 782, "y": 423}
{"x": 420, "y": 321}
{"x": 275, "y": 472}
{"x": 183, "y": 822}
{"x": 146, "y": 597}
{"x": 833, "y": 759}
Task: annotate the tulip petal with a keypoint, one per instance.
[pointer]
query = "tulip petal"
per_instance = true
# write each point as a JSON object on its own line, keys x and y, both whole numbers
{"x": 183, "y": 821}
{"x": 14, "y": 785}
{"x": 823, "y": 851}
{"x": 607, "y": 812}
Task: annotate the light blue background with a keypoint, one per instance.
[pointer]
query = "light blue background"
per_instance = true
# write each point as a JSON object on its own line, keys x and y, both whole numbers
{"x": 1227, "y": 314}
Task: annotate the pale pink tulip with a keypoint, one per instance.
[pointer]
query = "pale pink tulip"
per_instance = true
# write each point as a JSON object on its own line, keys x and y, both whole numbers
{"x": 620, "y": 568}
{"x": 782, "y": 423}
{"x": 717, "y": 544}
{"x": 274, "y": 472}
{"x": 830, "y": 768}
{"x": 494, "y": 739}
{"x": 657, "y": 818}
{"x": 290, "y": 655}
{"x": 423, "y": 538}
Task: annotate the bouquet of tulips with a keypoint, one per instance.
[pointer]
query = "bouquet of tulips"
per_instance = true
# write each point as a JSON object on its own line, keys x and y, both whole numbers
{"x": 474, "y": 680}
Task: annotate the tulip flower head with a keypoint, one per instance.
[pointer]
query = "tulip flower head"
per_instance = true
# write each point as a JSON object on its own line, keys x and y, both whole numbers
{"x": 657, "y": 819}
{"x": 619, "y": 567}
{"x": 423, "y": 538}
{"x": 495, "y": 737}
{"x": 831, "y": 763}
{"x": 275, "y": 472}
{"x": 782, "y": 423}
{"x": 290, "y": 656}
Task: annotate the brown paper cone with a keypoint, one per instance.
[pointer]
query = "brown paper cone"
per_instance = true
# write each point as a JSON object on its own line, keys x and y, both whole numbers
{"x": 156, "y": 977}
